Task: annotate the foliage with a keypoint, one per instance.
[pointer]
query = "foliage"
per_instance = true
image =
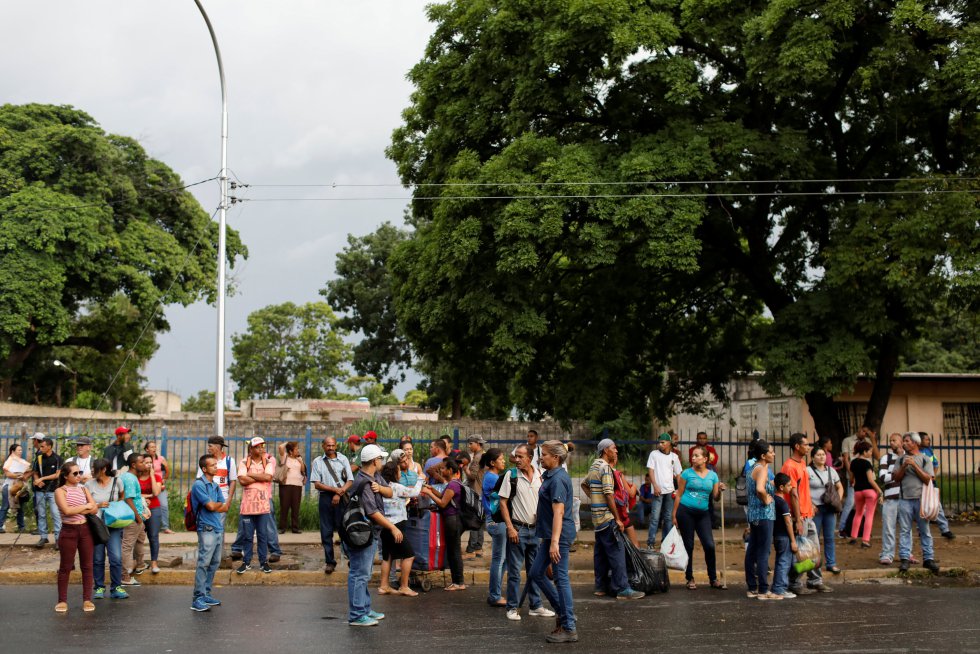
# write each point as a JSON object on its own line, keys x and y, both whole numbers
{"x": 203, "y": 402}
{"x": 94, "y": 235}
{"x": 289, "y": 351}
{"x": 710, "y": 123}
{"x": 362, "y": 292}
{"x": 416, "y": 397}
{"x": 950, "y": 342}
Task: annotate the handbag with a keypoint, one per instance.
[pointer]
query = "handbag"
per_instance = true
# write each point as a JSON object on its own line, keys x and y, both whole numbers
{"x": 929, "y": 504}
{"x": 830, "y": 496}
{"x": 100, "y": 533}
{"x": 118, "y": 514}
{"x": 673, "y": 550}
{"x": 280, "y": 474}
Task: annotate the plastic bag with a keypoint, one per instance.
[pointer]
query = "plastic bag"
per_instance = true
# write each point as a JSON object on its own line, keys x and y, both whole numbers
{"x": 807, "y": 549}
{"x": 657, "y": 565}
{"x": 638, "y": 573}
{"x": 673, "y": 550}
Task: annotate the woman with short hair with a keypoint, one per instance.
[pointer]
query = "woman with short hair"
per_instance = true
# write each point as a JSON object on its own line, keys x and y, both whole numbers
{"x": 74, "y": 502}
{"x": 395, "y": 508}
{"x": 291, "y": 488}
{"x": 104, "y": 489}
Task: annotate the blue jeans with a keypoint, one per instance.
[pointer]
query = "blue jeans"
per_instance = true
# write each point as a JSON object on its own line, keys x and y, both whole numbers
{"x": 757, "y": 556}
{"x": 45, "y": 503}
{"x": 358, "y": 597}
{"x": 253, "y": 525}
{"x": 521, "y": 555}
{"x": 609, "y": 560}
{"x": 331, "y": 518}
{"x": 662, "y": 505}
{"x": 271, "y": 536}
{"x": 208, "y": 558}
{"x": 498, "y": 541}
{"x": 165, "y": 509}
{"x": 826, "y": 520}
{"x": 889, "y": 519}
{"x": 5, "y": 507}
{"x": 114, "y": 547}
{"x": 847, "y": 507}
{"x": 941, "y": 520}
{"x": 908, "y": 512}
{"x": 153, "y": 532}
{"x": 784, "y": 559}
{"x": 559, "y": 592}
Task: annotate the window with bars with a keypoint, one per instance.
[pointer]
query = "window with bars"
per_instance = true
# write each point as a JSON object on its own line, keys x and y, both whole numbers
{"x": 778, "y": 417}
{"x": 748, "y": 418}
{"x": 962, "y": 418}
{"x": 851, "y": 415}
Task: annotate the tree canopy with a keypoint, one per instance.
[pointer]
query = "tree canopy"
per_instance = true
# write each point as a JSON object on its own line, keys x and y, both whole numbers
{"x": 290, "y": 351}
{"x": 94, "y": 235}
{"x": 646, "y": 198}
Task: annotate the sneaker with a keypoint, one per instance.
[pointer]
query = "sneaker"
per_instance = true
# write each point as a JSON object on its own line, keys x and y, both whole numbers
{"x": 769, "y": 596}
{"x": 363, "y": 621}
{"x": 140, "y": 569}
{"x": 41, "y": 543}
{"x": 931, "y": 565}
{"x": 822, "y": 588}
{"x": 155, "y": 570}
{"x": 374, "y": 615}
{"x": 903, "y": 565}
{"x": 802, "y": 590}
{"x": 542, "y": 612}
{"x": 99, "y": 593}
{"x": 628, "y": 594}
{"x": 129, "y": 582}
{"x": 329, "y": 568}
{"x": 2, "y": 530}
{"x": 237, "y": 556}
{"x": 513, "y": 614}
{"x": 199, "y": 605}
{"x": 274, "y": 558}
{"x": 119, "y": 593}
{"x": 265, "y": 568}
{"x": 35, "y": 532}
{"x": 210, "y": 601}
{"x": 787, "y": 595}
{"x": 243, "y": 568}
{"x": 885, "y": 561}
{"x": 949, "y": 535}
{"x": 562, "y": 636}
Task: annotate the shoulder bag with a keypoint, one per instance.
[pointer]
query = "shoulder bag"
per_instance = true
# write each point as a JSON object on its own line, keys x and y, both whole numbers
{"x": 118, "y": 514}
{"x": 830, "y": 496}
{"x": 280, "y": 475}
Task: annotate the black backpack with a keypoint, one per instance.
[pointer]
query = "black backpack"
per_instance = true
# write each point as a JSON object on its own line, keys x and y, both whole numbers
{"x": 356, "y": 531}
{"x": 471, "y": 513}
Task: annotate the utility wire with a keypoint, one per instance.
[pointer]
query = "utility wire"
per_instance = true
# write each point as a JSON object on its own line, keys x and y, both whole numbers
{"x": 621, "y": 183}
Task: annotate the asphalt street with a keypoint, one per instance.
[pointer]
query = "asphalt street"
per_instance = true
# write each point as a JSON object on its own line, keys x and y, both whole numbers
{"x": 856, "y": 618}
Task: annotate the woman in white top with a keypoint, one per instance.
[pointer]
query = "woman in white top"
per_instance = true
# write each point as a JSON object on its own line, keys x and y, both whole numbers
{"x": 822, "y": 475}
{"x": 13, "y": 481}
{"x": 396, "y": 511}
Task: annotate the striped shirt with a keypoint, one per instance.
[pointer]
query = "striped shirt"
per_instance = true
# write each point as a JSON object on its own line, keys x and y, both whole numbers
{"x": 600, "y": 480}
{"x": 887, "y": 467}
{"x": 74, "y": 496}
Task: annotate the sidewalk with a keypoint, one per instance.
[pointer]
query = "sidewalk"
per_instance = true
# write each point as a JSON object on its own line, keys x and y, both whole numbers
{"x": 302, "y": 561}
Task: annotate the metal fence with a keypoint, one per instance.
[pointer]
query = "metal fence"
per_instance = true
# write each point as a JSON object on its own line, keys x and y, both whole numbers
{"x": 959, "y": 455}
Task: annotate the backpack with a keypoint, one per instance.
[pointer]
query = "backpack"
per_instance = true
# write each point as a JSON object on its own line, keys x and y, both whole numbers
{"x": 190, "y": 515}
{"x": 494, "y": 501}
{"x": 356, "y": 531}
{"x": 742, "y": 489}
{"x": 471, "y": 513}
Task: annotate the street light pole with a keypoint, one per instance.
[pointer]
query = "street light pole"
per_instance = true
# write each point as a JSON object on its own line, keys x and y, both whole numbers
{"x": 74, "y": 380}
{"x": 219, "y": 393}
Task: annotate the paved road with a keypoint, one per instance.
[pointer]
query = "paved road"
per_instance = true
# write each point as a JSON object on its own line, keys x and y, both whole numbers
{"x": 859, "y": 618}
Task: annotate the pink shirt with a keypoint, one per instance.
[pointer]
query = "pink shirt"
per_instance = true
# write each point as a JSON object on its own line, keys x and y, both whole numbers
{"x": 256, "y": 496}
{"x": 74, "y": 496}
{"x": 294, "y": 471}
{"x": 158, "y": 463}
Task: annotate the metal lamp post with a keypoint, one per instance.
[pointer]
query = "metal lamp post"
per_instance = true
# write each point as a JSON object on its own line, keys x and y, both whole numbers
{"x": 74, "y": 380}
{"x": 219, "y": 394}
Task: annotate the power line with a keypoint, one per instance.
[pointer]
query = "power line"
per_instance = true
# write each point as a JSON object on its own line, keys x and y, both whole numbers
{"x": 621, "y": 183}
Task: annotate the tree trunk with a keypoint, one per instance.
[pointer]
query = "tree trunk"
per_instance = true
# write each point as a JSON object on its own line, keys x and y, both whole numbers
{"x": 825, "y": 418}
{"x": 457, "y": 403}
{"x": 884, "y": 381}
{"x": 6, "y": 389}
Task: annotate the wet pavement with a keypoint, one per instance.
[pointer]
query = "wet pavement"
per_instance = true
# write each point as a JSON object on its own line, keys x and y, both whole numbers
{"x": 855, "y": 618}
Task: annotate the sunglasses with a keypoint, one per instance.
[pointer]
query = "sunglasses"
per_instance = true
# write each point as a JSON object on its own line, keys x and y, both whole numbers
{"x": 77, "y": 473}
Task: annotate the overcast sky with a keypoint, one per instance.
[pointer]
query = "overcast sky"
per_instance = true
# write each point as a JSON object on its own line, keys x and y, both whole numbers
{"x": 315, "y": 89}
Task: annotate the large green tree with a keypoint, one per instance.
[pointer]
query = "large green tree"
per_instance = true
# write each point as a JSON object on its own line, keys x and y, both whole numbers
{"x": 290, "y": 351}
{"x": 650, "y": 178}
{"x": 362, "y": 293}
{"x": 94, "y": 236}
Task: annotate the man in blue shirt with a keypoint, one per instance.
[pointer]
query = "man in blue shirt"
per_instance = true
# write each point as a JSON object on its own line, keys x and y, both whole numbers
{"x": 207, "y": 505}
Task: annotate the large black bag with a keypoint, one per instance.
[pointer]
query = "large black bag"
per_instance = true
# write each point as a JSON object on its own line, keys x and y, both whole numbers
{"x": 357, "y": 531}
{"x": 100, "y": 533}
{"x": 640, "y": 571}
{"x": 657, "y": 563}
{"x": 471, "y": 513}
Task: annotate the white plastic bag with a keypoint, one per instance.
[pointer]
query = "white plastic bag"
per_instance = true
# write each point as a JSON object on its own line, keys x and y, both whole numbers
{"x": 673, "y": 550}
{"x": 929, "y": 504}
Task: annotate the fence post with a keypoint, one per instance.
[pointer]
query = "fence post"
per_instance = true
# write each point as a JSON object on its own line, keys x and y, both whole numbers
{"x": 163, "y": 442}
{"x": 309, "y": 457}
{"x": 455, "y": 438}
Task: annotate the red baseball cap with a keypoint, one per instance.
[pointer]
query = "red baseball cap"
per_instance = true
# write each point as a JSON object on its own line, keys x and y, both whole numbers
{"x": 353, "y": 440}
{"x": 122, "y": 430}
{"x": 370, "y": 436}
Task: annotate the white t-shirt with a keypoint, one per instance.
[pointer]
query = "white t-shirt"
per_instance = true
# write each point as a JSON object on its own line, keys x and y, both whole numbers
{"x": 15, "y": 466}
{"x": 221, "y": 476}
{"x": 665, "y": 466}
{"x": 84, "y": 465}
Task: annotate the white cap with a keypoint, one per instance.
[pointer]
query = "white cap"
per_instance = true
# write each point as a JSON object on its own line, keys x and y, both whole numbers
{"x": 371, "y": 452}
{"x": 258, "y": 440}
{"x": 38, "y": 436}
{"x": 396, "y": 455}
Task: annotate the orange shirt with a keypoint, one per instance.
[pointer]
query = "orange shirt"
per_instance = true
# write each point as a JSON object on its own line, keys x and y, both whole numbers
{"x": 797, "y": 474}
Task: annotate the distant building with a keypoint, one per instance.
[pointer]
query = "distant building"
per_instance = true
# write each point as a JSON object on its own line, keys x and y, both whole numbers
{"x": 163, "y": 403}
{"x": 331, "y": 410}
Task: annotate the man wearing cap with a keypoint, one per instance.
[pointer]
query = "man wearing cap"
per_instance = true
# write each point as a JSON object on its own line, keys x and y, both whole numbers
{"x": 359, "y": 612}
{"x": 355, "y": 444}
{"x": 255, "y": 475}
{"x": 119, "y": 451}
{"x": 45, "y": 467}
{"x": 332, "y": 477}
{"x": 83, "y": 457}
{"x": 663, "y": 466}
{"x": 474, "y": 477}
{"x": 609, "y": 557}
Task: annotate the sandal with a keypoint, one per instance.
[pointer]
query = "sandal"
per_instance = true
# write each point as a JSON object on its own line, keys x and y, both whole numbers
{"x": 691, "y": 585}
{"x": 386, "y": 590}
{"x": 407, "y": 592}
{"x": 865, "y": 544}
{"x": 717, "y": 585}
{"x": 455, "y": 587}
{"x": 834, "y": 570}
